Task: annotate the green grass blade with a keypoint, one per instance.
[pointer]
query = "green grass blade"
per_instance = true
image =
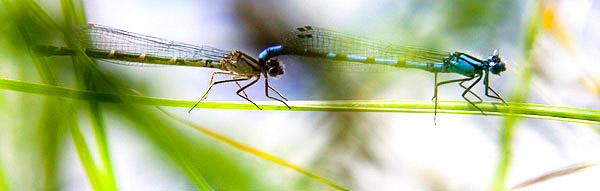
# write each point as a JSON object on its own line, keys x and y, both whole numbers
{"x": 88, "y": 73}
{"x": 521, "y": 110}
{"x": 28, "y": 15}
{"x": 50, "y": 127}
{"x": 88, "y": 76}
{"x": 3, "y": 185}
{"x": 73, "y": 15}
{"x": 16, "y": 9}
{"x": 520, "y": 95}
{"x": 97, "y": 121}
{"x": 86, "y": 157}
{"x": 40, "y": 15}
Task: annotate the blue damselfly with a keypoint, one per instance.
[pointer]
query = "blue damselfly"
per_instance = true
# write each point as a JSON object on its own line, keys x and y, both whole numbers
{"x": 332, "y": 48}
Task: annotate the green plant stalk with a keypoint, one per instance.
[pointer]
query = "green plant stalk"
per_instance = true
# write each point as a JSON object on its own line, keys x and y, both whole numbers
{"x": 3, "y": 185}
{"x": 520, "y": 95}
{"x": 85, "y": 156}
{"x": 85, "y": 71}
{"x": 40, "y": 15}
{"x": 97, "y": 121}
{"x": 152, "y": 126}
{"x": 522, "y": 110}
{"x": 184, "y": 161}
{"x": 48, "y": 128}
{"x": 49, "y": 125}
{"x": 70, "y": 15}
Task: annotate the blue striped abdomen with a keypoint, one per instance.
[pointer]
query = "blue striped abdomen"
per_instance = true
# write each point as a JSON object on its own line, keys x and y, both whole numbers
{"x": 332, "y": 56}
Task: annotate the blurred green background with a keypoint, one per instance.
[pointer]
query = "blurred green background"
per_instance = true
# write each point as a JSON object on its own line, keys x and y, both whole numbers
{"x": 55, "y": 143}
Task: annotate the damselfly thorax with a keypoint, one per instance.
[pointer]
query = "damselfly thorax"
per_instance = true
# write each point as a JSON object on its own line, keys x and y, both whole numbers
{"x": 241, "y": 64}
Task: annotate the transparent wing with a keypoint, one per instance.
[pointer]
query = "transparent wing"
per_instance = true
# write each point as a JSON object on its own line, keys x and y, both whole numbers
{"x": 323, "y": 41}
{"x": 107, "y": 39}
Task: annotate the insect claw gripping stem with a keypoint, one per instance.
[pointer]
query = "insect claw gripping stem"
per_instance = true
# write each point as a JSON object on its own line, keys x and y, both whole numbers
{"x": 267, "y": 87}
{"x": 486, "y": 82}
{"x": 452, "y": 81}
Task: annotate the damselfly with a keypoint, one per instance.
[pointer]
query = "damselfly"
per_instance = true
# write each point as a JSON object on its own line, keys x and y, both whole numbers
{"x": 103, "y": 42}
{"x": 335, "y": 48}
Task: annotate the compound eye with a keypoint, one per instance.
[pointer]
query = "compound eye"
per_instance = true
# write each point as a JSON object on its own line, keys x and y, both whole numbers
{"x": 498, "y": 68}
{"x": 276, "y": 71}
{"x": 274, "y": 68}
{"x": 496, "y": 59}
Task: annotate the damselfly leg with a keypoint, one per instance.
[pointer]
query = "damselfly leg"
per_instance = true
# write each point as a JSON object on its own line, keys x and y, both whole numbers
{"x": 277, "y": 93}
{"x": 239, "y": 86}
{"x": 486, "y": 82}
{"x": 267, "y": 87}
{"x": 212, "y": 76}
{"x": 435, "y": 92}
{"x": 451, "y": 81}
{"x": 469, "y": 89}
{"x": 246, "y": 86}
{"x": 472, "y": 93}
{"x": 215, "y": 83}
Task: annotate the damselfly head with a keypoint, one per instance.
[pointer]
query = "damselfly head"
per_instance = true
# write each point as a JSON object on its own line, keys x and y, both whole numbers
{"x": 498, "y": 67}
{"x": 274, "y": 68}
{"x": 496, "y": 64}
